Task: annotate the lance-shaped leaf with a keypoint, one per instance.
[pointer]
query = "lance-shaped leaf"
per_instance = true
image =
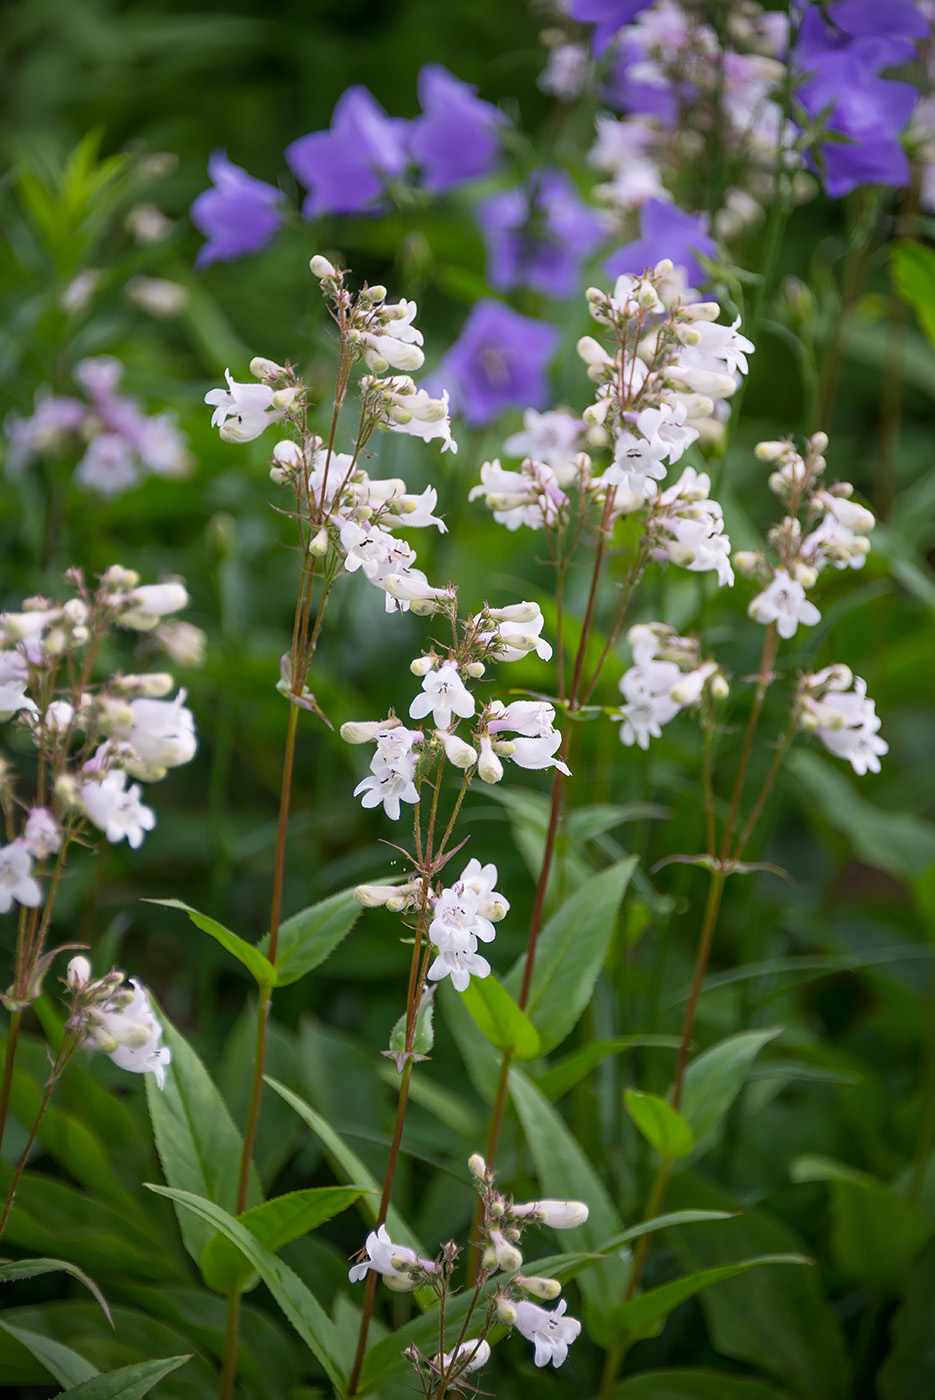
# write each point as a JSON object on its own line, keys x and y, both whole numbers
{"x": 714, "y": 1079}
{"x": 499, "y": 1018}
{"x": 61, "y": 1362}
{"x": 662, "y": 1126}
{"x": 259, "y": 966}
{"x": 641, "y": 1316}
{"x": 196, "y": 1138}
{"x": 128, "y": 1382}
{"x": 275, "y": 1224}
{"x": 298, "y": 1303}
{"x": 31, "y": 1268}
{"x": 571, "y": 951}
{"x": 309, "y": 937}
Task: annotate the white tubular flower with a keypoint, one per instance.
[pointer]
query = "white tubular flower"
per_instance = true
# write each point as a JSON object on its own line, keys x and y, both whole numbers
{"x": 415, "y": 512}
{"x": 714, "y": 384}
{"x": 695, "y": 527}
{"x": 489, "y": 767}
{"x": 78, "y": 972}
{"x": 443, "y": 693}
{"x": 784, "y": 602}
{"x": 481, "y": 879}
{"x": 552, "y": 1333}
{"x": 15, "y": 880}
{"x": 117, "y": 810}
{"x": 184, "y": 643}
{"x": 561, "y": 1215}
{"x": 146, "y": 606}
{"x": 25, "y": 626}
{"x": 414, "y": 587}
{"x": 689, "y": 688}
{"x": 719, "y": 342}
{"x": 502, "y": 1254}
{"x": 13, "y": 698}
{"x": 545, "y": 1288}
{"x": 532, "y": 721}
{"x": 399, "y": 1265}
{"x": 162, "y": 733}
{"x": 41, "y": 835}
{"x": 419, "y": 415}
{"x": 126, "y": 1030}
{"x": 845, "y": 720}
{"x": 366, "y": 731}
{"x": 512, "y": 639}
{"x": 242, "y": 411}
{"x": 469, "y": 1356}
{"x": 459, "y": 753}
{"x": 460, "y": 961}
{"x": 553, "y": 437}
{"x": 532, "y": 496}
{"x": 852, "y": 516}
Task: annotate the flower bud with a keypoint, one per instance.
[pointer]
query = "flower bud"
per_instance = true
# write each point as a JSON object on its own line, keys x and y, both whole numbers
{"x": 818, "y": 442}
{"x": 475, "y": 669}
{"x": 320, "y": 267}
{"x": 506, "y": 1310}
{"x": 318, "y": 545}
{"x": 267, "y": 370}
{"x": 506, "y": 1255}
{"x": 718, "y": 687}
{"x": 284, "y": 398}
{"x": 459, "y": 753}
{"x": 770, "y": 451}
{"x": 423, "y": 664}
{"x": 561, "y": 1215}
{"x": 515, "y": 612}
{"x": 477, "y": 1166}
{"x": 78, "y": 973}
{"x": 747, "y": 561}
{"x": 805, "y": 574}
{"x": 489, "y": 767}
{"x": 701, "y": 311}
{"x": 365, "y": 731}
{"x": 377, "y": 896}
{"x": 546, "y": 1288}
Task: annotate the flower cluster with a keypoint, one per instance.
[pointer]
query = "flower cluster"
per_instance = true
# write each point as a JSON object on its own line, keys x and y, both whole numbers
{"x": 503, "y": 1222}
{"x": 661, "y": 385}
{"x": 667, "y": 676}
{"x": 822, "y": 526}
{"x": 91, "y": 736}
{"x": 120, "y": 443}
{"x": 117, "y": 1019}
{"x": 833, "y": 703}
{"x": 356, "y": 164}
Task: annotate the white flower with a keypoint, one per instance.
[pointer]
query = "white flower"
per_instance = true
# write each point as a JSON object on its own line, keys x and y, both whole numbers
{"x": 163, "y": 734}
{"x": 389, "y": 1259}
{"x": 532, "y": 721}
{"x": 512, "y": 639}
{"x": 561, "y": 1215}
{"x": 844, "y": 720}
{"x": 41, "y": 834}
{"x": 125, "y": 1029}
{"x": 467, "y": 1357}
{"x": 392, "y": 771}
{"x": 15, "y": 879}
{"x": 145, "y": 606}
{"x": 553, "y": 437}
{"x": 117, "y": 812}
{"x": 443, "y": 693}
{"x": 552, "y": 1333}
{"x": 242, "y": 411}
{"x": 13, "y": 698}
{"x": 784, "y": 603}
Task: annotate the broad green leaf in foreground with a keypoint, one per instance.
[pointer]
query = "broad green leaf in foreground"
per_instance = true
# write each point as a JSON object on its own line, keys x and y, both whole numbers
{"x": 275, "y": 1223}
{"x": 640, "y": 1315}
{"x": 259, "y": 967}
{"x": 300, "y": 1306}
{"x": 914, "y": 274}
{"x": 128, "y": 1382}
{"x": 714, "y": 1079}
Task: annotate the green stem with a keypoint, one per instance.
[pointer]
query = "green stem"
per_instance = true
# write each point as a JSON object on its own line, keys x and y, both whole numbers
{"x": 8, "y": 1064}
{"x": 231, "y": 1337}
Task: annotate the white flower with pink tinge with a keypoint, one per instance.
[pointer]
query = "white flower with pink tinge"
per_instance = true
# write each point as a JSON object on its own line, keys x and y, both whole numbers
{"x": 552, "y": 1333}
{"x": 392, "y": 770}
{"x": 116, "y": 809}
{"x": 16, "y": 882}
{"x": 532, "y": 721}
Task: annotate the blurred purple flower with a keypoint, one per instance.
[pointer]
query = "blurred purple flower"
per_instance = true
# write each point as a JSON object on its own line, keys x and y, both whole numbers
{"x": 539, "y": 236}
{"x": 238, "y": 216}
{"x": 346, "y": 168}
{"x": 870, "y": 111}
{"x": 608, "y": 15}
{"x": 457, "y": 136}
{"x": 666, "y": 232}
{"x": 895, "y": 18}
{"x": 499, "y": 361}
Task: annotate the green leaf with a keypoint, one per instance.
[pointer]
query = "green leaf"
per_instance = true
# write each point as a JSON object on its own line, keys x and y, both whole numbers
{"x": 897, "y": 842}
{"x": 300, "y": 1306}
{"x": 908, "y": 1373}
{"x": 275, "y": 1223}
{"x": 560, "y": 1078}
{"x": 309, "y": 937}
{"x": 500, "y": 1019}
{"x": 196, "y": 1138}
{"x": 781, "y": 1322}
{"x": 423, "y": 1034}
{"x": 714, "y": 1079}
{"x": 662, "y": 1126}
{"x": 571, "y": 951}
{"x": 61, "y": 1362}
{"x": 874, "y": 1232}
{"x": 128, "y": 1382}
{"x": 914, "y": 275}
{"x": 565, "y": 1173}
{"x": 570, "y": 1265}
{"x": 349, "y": 1165}
{"x": 259, "y": 967}
{"x": 32, "y": 1268}
{"x": 641, "y": 1315}
{"x": 695, "y": 1385}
